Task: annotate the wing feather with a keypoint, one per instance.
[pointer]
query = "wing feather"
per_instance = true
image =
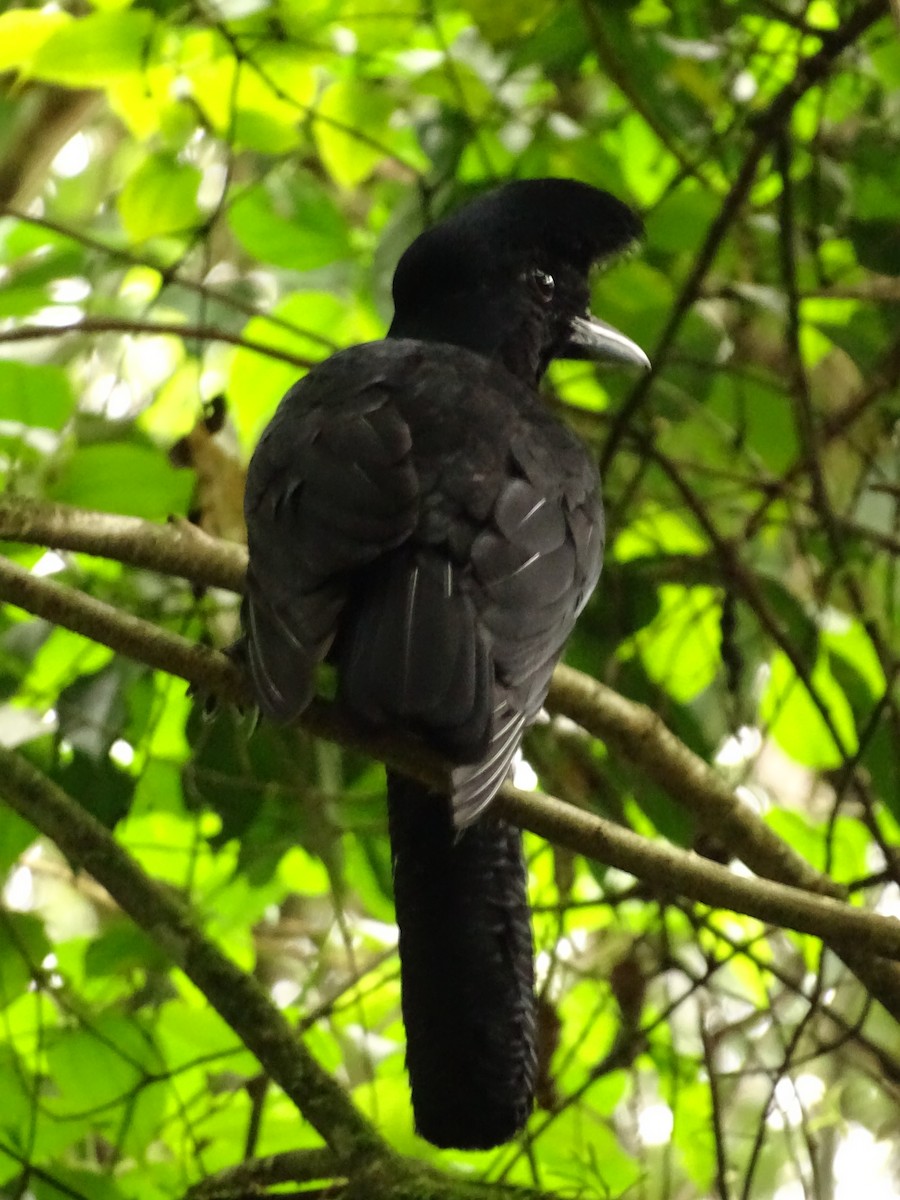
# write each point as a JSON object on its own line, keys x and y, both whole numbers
{"x": 412, "y": 654}
{"x": 533, "y": 565}
{"x": 331, "y": 489}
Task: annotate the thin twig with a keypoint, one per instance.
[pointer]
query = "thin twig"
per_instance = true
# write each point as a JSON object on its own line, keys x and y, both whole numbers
{"x": 202, "y": 333}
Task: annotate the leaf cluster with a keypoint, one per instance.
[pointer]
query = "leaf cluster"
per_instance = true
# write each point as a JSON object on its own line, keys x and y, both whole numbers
{"x": 197, "y": 202}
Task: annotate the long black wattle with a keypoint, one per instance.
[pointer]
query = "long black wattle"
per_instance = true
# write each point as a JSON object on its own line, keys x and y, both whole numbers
{"x": 466, "y": 970}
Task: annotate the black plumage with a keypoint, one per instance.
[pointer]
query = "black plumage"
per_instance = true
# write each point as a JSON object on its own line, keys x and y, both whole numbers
{"x": 417, "y": 516}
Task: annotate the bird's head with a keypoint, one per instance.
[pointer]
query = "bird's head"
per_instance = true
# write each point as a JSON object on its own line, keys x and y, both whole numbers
{"x": 507, "y": 276}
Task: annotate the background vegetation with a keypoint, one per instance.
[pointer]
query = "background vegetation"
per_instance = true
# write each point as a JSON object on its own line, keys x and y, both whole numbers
{"x": 199, "y": 200}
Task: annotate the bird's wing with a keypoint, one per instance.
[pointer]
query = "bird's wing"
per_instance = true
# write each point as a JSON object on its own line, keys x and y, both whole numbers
{"x": 330, "y": 489}
{"x": 533, "y": 565}
{"x": 412, "y": 655}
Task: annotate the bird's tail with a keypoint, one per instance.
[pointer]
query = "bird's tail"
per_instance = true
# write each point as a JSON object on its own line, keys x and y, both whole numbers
{"x": 466, "y": 970}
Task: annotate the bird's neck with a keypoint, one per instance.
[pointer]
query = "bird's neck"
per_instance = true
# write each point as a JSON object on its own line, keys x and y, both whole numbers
{"x": 481, "y": 324}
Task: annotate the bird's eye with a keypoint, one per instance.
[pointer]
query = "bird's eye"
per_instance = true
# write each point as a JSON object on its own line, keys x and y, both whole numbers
{"x": 544, "y": 284}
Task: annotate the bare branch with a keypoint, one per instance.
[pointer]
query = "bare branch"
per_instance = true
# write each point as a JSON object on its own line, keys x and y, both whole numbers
{"x": 236, "y": 996}
{"x": 632, "y": 729}
{"x": 635, "y": 729}
{"x": 181, "y": 329}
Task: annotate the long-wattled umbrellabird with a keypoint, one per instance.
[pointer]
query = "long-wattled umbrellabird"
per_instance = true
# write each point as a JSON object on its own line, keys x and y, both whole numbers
{"x": 417, "y": 517}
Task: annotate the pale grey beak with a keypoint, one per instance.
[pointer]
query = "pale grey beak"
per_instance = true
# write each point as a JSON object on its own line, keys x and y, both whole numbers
{"x": 592, "y": 338}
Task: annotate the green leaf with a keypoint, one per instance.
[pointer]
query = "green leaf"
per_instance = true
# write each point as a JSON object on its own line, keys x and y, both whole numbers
{"x": 367, "y": 866}
{"x": 797, "y": 723}
{"x": 506, "y": 20}
{"x": 354, "y": 132}
{"x": 755, "y": 412}
{"x": 849, "y": 641}
{"x": 123, "y": 478}
{"x": 269, "y": 103}
{"x": 841, "y": 847}
{"x": 23, "y": 32}
{"x": 88, "y": 1068}
{"x": 593, "y": 1146}
{"x": 23, "y": 947}
{"x": 96, "y": 49}
{"x": 654, "y": 531}
{"x": 886, "y": 61}
{"x": 35, "y": 264}
{"x": 120, "y": 949}
{"x": 35, "y": 396}
{"x": 160, "y": 198}
{"x": 98, "y": 785}
{"x": 877, "y": 244}
{"x": 317, "y": 323}
{"x": 292, "y": 222}
{"x": 17, "y": 1109}
{"x": 70, "y": 1181}
{"x": 59, "y": 658}
{"x": 882, "y": 761}
{"x": 680, "y": 646}
{"x": 682, "y": 218}
{"x": 16, "y": 835}
{"x": 694, "y": 1132}
{"x": 91, "y": 710}
{"x": 458, "y": 86}
{"x": 795, "y": 619}
{"x": 187, "y": 1030}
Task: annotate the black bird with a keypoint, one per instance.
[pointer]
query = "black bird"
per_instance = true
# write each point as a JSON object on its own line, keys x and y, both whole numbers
{"x": 418, "y": 517}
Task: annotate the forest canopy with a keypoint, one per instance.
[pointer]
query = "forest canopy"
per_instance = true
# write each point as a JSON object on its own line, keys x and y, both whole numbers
{"x": 199, "y": 989}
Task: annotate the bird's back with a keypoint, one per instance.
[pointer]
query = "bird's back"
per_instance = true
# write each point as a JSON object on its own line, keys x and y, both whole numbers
{"x": 465, "y": 532}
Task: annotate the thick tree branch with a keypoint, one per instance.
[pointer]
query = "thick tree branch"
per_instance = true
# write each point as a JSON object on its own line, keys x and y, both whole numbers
{"x": 236, "y": 996}
{"x": 641, "y": 735}
{"x": 122, "y": 632}
{"x": 357, "y": 1163}
{"x": 633, "y": 730}
{"x": 639, "y": 732}
{"x": 249, "y": 1177}
{"x": 667, "y": 869}
{"x": 178, "y": 548}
